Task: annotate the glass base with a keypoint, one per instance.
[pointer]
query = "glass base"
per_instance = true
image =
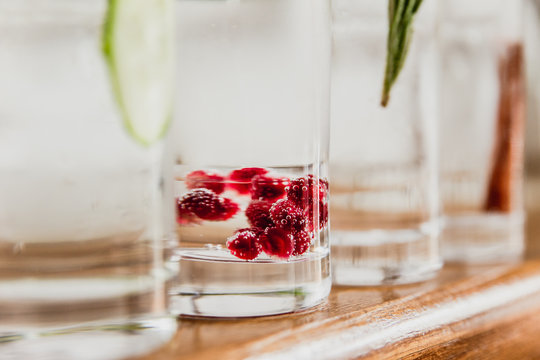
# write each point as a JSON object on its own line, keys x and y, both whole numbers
{"x": 111, "y": 340}
{"x": 84, "y": 317}
{"x": 213, "y": 285}
{"x": 384, "y": 257}
{"x": 483, "y": 238}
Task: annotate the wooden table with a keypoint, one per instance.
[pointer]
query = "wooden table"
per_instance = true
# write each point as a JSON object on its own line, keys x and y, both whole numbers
{"x": 490, "y": 312}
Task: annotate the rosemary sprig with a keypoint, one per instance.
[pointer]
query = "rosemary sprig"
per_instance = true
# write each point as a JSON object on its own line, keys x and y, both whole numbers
{"x": 400, "y": 22}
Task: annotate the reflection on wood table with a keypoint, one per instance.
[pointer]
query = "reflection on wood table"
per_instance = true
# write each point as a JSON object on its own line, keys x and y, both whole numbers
{"x": 483, "y": 312}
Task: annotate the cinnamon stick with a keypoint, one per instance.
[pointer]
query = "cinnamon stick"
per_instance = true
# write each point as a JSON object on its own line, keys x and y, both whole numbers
{"x": 505, "y": 179}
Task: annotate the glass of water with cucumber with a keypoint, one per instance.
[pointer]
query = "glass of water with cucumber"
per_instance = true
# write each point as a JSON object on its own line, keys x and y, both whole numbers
{"x": 86, "y": 101}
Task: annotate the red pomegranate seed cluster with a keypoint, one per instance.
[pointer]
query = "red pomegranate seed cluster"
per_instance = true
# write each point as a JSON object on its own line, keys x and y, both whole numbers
{"x": 201, "y": 179}
{"x": 240, "y": 180}
{"x": 244, "y": 244}
{"x": 283, "y": 213}
{"x": 205, "y": 205}
{"x": 258, "y": 214}
{"x": 268, "y": 188}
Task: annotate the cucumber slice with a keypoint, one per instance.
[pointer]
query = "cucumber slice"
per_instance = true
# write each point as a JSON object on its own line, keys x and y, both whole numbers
{"x": 138, "y": 48}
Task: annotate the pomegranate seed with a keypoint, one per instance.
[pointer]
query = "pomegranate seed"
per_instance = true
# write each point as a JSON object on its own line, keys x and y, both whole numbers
{"x": 268, "y": 188}
{"x": 244, "y": 244}
{"x": 240, "y": 179}
{"x": 287, "y": 216}
{"x": 302, "y": 242}
{"x": 205, "y": 205}
{"x": 200, "y": 179}
{"x": 258, "y": 214}
{"x": 277, "y": 242}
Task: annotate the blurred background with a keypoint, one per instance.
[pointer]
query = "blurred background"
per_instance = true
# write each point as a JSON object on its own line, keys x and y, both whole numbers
{"x": 532, "y": 134}
{"x": 532, "y": 40}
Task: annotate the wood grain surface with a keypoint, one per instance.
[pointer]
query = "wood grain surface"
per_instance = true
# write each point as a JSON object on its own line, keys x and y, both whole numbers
{"x": 488, "y": 312}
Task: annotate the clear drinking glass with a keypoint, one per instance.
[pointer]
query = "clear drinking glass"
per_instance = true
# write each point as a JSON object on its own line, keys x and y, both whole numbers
{"x": 384, "y": 206}
{"x": 82, "y": 195}
{"x": 251, "y": 149}
{"x": 482, "y": 116}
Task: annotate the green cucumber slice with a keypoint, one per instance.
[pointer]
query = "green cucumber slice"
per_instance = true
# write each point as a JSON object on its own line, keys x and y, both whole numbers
{"x": 138, "y": 48}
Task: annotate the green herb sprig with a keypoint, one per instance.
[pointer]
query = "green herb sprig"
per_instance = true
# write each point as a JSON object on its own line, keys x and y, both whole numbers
{"x": 400, "y": 22}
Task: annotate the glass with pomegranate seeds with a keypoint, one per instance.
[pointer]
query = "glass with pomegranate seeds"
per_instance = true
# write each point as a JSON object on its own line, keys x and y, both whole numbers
{"x": 251, "y": 154}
